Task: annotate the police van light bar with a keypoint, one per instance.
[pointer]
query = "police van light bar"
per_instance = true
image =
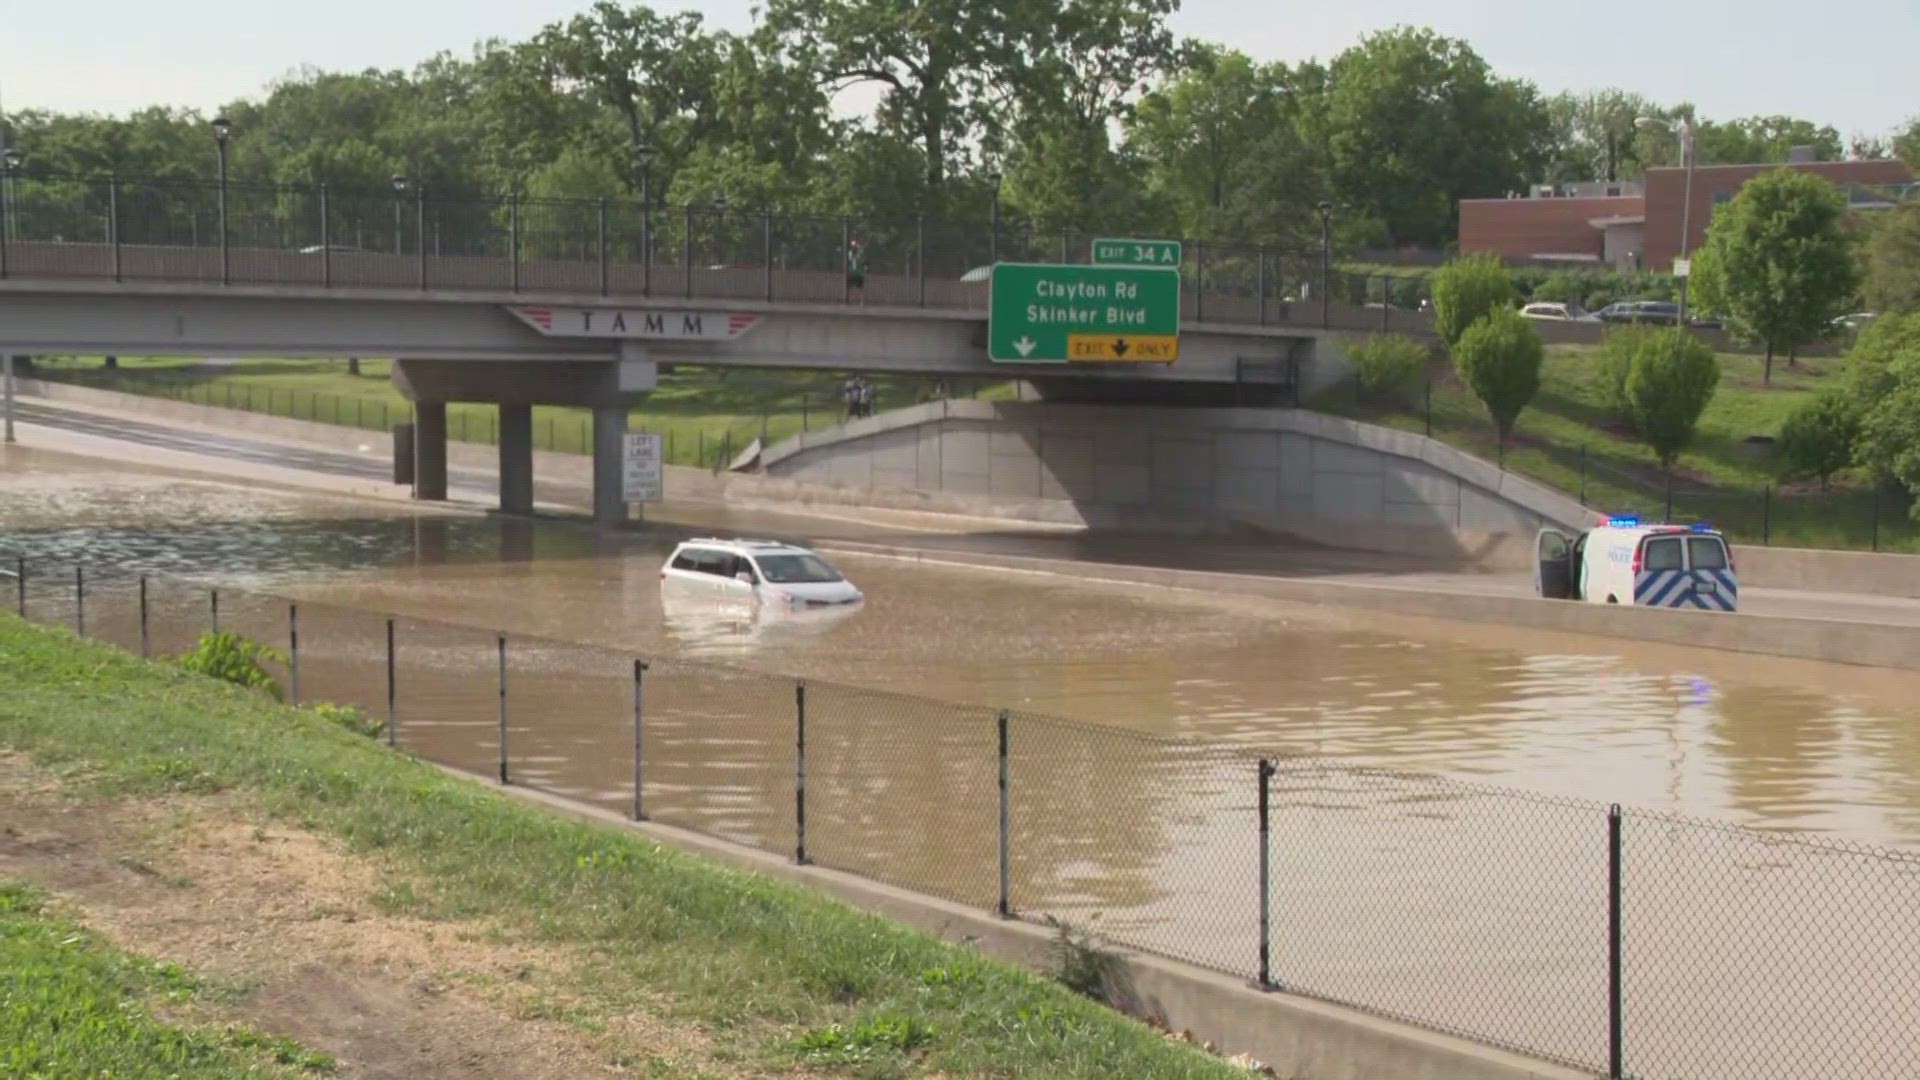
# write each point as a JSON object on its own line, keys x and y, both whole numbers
{"x": 1625, "y": 521}
{"x": 1701, "y": 526}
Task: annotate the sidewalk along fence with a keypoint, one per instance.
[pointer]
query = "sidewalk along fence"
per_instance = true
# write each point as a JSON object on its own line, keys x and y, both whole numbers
{"x": 1845, "y": 514}
{"x": 1627, "y": 942}
{"x": 427, "y": 239}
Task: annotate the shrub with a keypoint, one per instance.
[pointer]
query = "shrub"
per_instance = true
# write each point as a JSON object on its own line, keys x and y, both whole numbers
{"x": 1467, "y": 290}
{"x": 1387, "y": 361}
{"x": 231, "y": 658}
{"x": 350, "y": 718}
{"x": 1617, "y": 351}
{"x": 1817, "y": 439}
{"x": 1499, "y": 358}
{"x": 1672, "y": 379}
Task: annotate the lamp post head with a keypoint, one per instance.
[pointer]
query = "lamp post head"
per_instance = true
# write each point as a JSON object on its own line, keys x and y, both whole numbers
{"x": 9, "y": 159}
{"x": 720, "y": 201}
{"x": 1326, "y": 209}
{"x": 399, "y": 181}
{"x": 222, "y": 127}
{"x": 643, "y": 157}
{"x": 994, "y": 179}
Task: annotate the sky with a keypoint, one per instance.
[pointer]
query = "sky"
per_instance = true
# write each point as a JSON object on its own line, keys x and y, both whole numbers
{"x": 1853, "y": 70}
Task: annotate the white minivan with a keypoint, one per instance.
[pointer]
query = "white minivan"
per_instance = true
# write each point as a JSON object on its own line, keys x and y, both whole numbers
{"x": 1626, "y": 562}
{"x": 759, "y": 571}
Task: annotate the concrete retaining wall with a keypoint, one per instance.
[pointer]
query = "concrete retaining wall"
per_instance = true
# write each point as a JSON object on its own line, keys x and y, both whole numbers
{"x": 1284, "y": 471}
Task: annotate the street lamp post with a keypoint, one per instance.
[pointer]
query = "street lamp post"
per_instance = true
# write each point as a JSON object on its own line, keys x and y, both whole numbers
{"x": 1686, "y": 199}
{"x": 399, "y": 183}
{"x": 994, "y": 250}
{"x": 222, "y": 129}
{"x": 643, "y": 164}
{"x": 1326, "y": 263}
{"x": 9, "y": 164}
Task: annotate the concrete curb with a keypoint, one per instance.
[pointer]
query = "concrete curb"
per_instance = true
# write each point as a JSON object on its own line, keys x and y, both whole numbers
{"x": 1297, "y": 1036}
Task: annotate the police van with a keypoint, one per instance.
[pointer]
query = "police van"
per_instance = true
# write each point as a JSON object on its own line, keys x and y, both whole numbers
{"x": 1627, "y": 562}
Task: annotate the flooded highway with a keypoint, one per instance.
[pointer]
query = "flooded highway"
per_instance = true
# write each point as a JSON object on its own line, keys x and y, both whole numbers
{"x": 1469, "y": 909}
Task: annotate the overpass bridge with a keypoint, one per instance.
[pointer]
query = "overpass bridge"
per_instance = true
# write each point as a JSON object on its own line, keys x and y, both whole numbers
{"x": 521, "y": 302}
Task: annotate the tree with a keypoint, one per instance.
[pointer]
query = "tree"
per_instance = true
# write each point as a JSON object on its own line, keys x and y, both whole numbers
{"x": 1669, "y": 385}
{"x": 1498, "y": 357}
{"x": 1891, "y": 260}
{"x": 1817, "y": 438}
{"x": 1199, "y": 130}
{"x": 1906, "y": 143}
{"x": 1780, "y": 265}
{"x": 1883, "y": 376}
{"x": 1763, "y": 139}
{"x": 1465, "y": 291}
{"x": 1594, "y": 136}
{"x": 1614, "y": 366}
{"x": 1416, "y": 122}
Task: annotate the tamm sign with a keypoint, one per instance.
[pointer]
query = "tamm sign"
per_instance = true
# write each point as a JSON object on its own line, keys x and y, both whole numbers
{"x": 648, "y": 323}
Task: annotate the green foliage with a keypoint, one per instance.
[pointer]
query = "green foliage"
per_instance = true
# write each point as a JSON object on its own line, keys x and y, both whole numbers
{"x": 350, "y": 718}
{"x": 75, "y": 1006}
{"x": 231, "y": 658}
{"x": 1499, "y": 359}
{"x": 1079, "y": 962}
{"x": 1414, "y": 122}
{"x": 1891, "y": 259}
{"x": 1763, "y": 139}
{"x": 1387, "y": 361}
{"x": 1467, "y": 290}
{"x": 889, "y": 1034}
{"x": 1818, "y": 438}
{"x": 1670, "y": 383}
{"x": 1614, "y": 364}
{"x": 1883, "y": 375}
{"x": 1779, "y": 263}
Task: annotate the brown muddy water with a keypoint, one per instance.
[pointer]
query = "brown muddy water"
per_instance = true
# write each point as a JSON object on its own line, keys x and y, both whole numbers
{"x": 1424, "y": 898}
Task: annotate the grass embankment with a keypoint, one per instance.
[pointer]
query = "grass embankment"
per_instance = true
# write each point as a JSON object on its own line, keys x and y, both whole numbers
{"x": 1569, "y": 438}
{"x": 700, "y": 411}
{"x": 771, "y": 977}
{"x": 75, "y": 1006}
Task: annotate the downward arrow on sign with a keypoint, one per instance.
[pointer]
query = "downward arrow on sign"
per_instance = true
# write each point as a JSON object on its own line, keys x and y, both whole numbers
{"x": 1026, "y": 345}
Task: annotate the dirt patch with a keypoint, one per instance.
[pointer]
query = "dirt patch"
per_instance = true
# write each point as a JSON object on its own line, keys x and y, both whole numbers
{"x": 291, "y": 919}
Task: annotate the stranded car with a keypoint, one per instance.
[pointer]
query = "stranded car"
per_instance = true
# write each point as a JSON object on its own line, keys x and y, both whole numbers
{"x": 763, "y": 572}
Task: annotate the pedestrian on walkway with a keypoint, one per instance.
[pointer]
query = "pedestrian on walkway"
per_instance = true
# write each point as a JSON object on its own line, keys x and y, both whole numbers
{"x": 856, "y": 272}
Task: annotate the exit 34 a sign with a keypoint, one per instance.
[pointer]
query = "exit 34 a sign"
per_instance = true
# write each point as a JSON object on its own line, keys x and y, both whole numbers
{"x": 1113, "y": 252}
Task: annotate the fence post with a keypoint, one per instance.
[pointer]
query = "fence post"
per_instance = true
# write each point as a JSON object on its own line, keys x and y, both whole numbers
{"x": 80, "y": 601}
{"x": 846, "y": 260}
{"x": 1429, "y": 406}
{"x": 1266, "y": 874}
{"x": 1386, "y": 302}
{"x": 1583, "y": 474}
{"x": 639, "y": 717}
{"x": 113, "y": 221}
{"x": 603, "y": 246}
{"x": 1006, "y": 822}
{"x": 766, "y": 247}
{"x": 293, "y": 654}
{"x": 1616, "y": 1065}
{"x": 800, "y": 773}
{"x": 393, "y": 714}
{"x": 501, "y": 642}
{"x": 420, "y": 229}
{"x": 213, "y": 607}
{"x": 513, "y": 239}
{"x": 20, "y": 584}
{"x": 1876, "y": 513}
{"x": 326, "y": 245}
{"x": 1260, "y": 284}
{"x": 1766, "y": 516}
{"x": 1669, "y": 515}
{"x": 145, "y": 642}
{"x": 686, "y": 254}
{"x": 1199, "y": 280}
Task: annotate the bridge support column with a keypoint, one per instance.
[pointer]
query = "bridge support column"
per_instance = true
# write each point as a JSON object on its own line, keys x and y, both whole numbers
{"x": 430, "y": 451}
{"x": 609, "y": 437}
{"x": 516, "y": 459}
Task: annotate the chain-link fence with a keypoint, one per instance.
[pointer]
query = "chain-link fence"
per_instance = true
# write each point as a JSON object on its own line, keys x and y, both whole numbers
{"x": 1627, "y": 942}
{"x": 244, "y": 233}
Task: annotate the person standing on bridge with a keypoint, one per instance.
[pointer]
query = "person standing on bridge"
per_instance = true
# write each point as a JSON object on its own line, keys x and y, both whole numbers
{"x": 856, "y": 271}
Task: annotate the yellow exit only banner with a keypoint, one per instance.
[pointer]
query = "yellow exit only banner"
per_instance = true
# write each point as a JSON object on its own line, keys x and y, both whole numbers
{"x": 1123, "y": 348}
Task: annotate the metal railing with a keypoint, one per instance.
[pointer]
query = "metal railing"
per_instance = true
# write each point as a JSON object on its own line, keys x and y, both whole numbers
{"x": 1627, "y": 942}
{"x": 322, "y": 237}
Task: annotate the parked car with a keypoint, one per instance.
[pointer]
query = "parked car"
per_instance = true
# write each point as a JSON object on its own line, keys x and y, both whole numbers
{"x": 1856, "y": 321}
{"x": 1655, "y": 312}
{"x": 315, "y": 249}
{"x": 1547, "y": 311}
{"x": 1706, "y": 322}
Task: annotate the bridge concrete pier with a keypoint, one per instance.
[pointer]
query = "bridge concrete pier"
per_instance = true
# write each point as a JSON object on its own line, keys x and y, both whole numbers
{"x": 516, "y": 458}
{"x": 609, "y": 443}
{"x": 430, "y": 451}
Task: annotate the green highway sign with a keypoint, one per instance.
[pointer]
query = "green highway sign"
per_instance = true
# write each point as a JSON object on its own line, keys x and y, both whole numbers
{"x": 1058, "y": 314}
{"x": 1108, "y": 252}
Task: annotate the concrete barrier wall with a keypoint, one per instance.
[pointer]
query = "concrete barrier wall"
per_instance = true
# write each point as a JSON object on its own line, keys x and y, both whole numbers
{"x": 1870, "y": 644}
{"x": 1830, "y": 571}
{"x": 1292, "y": 472}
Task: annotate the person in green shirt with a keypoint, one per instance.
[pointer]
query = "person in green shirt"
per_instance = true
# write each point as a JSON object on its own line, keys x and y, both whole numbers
{"x": 856, "y": 271}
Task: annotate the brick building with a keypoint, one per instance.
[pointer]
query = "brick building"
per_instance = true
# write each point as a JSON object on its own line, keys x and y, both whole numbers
{"x": 1640, "y": 226}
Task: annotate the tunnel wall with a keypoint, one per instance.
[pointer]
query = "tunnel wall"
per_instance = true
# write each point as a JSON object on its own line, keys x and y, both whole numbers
{"x": 1278, "y": 471}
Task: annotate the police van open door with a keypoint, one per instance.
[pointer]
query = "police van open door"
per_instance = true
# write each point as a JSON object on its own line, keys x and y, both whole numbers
{"x": 1553, "y": 565}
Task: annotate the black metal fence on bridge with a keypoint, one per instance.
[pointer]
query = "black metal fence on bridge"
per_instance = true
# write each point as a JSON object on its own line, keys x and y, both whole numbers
{"x": 1627, "y": 942}
{"x": 421, "y": 239}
